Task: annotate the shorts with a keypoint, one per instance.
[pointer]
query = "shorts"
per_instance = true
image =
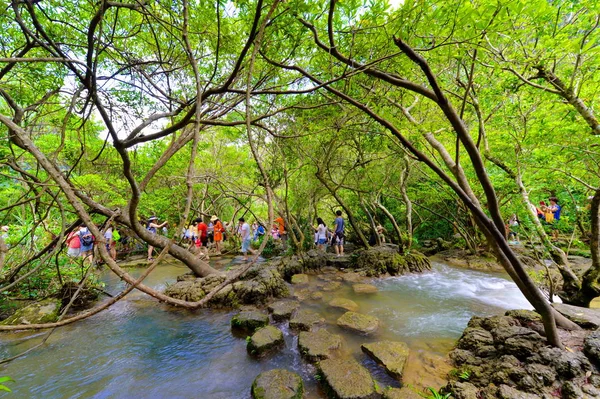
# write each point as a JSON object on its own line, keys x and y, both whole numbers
{"x": 204, "y": 241}
{"x": 245, "y": 245}
{"x": 322, "y": 241}
{"x": 339, "y": 239}
{"x": 74, "y": 252}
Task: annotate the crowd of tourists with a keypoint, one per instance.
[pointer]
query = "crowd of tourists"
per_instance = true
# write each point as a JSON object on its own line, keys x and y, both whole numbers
{"x": 547, "y": 214}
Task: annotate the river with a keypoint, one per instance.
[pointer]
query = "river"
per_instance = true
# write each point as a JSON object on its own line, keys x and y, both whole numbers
{"x": 139, "y": 348}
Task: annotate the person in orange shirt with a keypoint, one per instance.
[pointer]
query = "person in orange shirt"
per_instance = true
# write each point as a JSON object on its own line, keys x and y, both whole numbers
{"x": 218, "y": 231}
{"x": 282, "y": 233}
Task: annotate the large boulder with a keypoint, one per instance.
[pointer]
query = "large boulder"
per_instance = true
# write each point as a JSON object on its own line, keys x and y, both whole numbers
{"x": 249, "y": 320}
{"x": 42, "y": 312}
{"x": 318, "y": 345}
{"x": 346, "y": 379}
{"x": 283, "y": 310}
{"x": 567, "y": 364}
{"x": 379, "y": 260}
{"x": 265, "y": 340}
{"x": 313, "y": 260}
{"x": 277, "y": 384}
{"x": 391, "y": 355}
{"x": 343, "y": 303}
{"x": 305, "y": 319}
{"x": 585, "y": 317}
{"x": 361, "y": 323}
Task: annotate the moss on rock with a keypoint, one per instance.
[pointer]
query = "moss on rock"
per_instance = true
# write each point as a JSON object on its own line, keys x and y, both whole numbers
{"x": 277, "y": 384}
{"x": 318, "y": 345}
{"x": 361, "y": 323}
{"x": 45, "y": 311}
{"x": 249, "y": 321}
{"x": 391, "y": 355}
{"x": 282, "y": 310}
{"x": 376, "y": 261}
{"x": 305, "y": 319}
{"x": 346, "y": 379}
{"x": 264, "y": 340}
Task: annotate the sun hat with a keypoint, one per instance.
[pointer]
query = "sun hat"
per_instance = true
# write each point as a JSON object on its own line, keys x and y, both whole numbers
{"x": 151, "y": 218}
{"x": 213, "y": 218}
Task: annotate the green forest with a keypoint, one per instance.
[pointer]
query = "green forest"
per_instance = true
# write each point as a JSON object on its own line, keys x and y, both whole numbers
{"x": 368, "y": 139}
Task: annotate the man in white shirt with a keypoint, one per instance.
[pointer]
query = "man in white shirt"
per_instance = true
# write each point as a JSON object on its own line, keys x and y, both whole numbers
{"x": 244, "y": 230}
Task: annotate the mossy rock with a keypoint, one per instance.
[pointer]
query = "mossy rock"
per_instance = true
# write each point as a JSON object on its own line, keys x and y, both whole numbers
{"x": 282, "y": 310}
{"x": 249, "y": 320}
{"x": 299, "y": 279}
{"x": 265, "y": 340}
{"x": 42, "y": 312}
{"x": 386, "y": 259}
{"x": 331, "y": 286}
{"x": 318, "y": 345}
{"x": 364, "y": 289}
{"x": 346, "y": 379}
{"x": 305, "y": 319}
{"x": 362, "y": 323}
{"x": 390, "y": 354}
{"x": 277, "y": 384}
{"x": 400, "y": 393}
{"x": 343, "y": 303}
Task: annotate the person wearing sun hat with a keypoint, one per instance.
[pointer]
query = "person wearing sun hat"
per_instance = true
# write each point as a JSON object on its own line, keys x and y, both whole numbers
{"x": 151, "y": 226}
{"x": 218, "y": 231}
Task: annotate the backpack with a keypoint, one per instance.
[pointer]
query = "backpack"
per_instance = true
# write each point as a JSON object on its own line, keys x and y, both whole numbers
{"x": 86, "y": 241}
{"x": 116, "y": 235}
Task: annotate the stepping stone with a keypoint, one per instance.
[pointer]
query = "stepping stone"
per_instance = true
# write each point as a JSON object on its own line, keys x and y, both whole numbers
{"x": 352, "y": 277}
{"x": 316, "y": 296}
{"x": 305, "y": 319}
{"x": 391, "y": 355}
{"x": 282, "y": 310}
{"x": 332, "y": 286}
{"x": 277, "y": 384}
{"x": 400, "y": 393}
{"x": 264, "y": 340}
{"x": 343, "y": 303}
{"x": 249, "y": 320}
{"x": 361, "y": 323}
{"x": 302, "y": 294}
{"x": 299, "y": 279}
{"x": 364, "y": 289}
{"x": 346, "y": 379}
{"x": 318, "y": 345}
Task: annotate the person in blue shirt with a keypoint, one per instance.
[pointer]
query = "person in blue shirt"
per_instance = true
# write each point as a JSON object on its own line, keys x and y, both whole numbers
{"x": 555, "y": 209}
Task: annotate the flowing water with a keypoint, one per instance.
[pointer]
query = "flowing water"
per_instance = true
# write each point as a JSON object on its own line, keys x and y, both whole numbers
{"x": 139, "y": 348}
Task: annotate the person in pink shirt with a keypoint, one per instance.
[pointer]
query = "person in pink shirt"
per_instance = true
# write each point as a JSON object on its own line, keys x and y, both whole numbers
{"x": 73, "y": 243}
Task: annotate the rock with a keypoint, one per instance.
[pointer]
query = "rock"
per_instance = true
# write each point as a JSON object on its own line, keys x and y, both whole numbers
{"x": 343, "y": 303}
{"x": 302, "y": 294}
{"x": 299, "y": 279}
{"x": 386, "y": 259}
{"x": 332, "y": 286}
{"x": 318, "y": 345}
{"x": 283, "y": 310}
{"x": 361, "y": 323}
{"x": 314, "y": 260}
{"x": 570, "y": 390}
{"x": 463, "y": 390}
{"x": 346, "y": 379}
{"x": 591, "y": 347}
{"x": 491, "y": 323}
{"x": 264, "y": 340}
{"x": 277, "y": 384}
{"x": 391, "y": 355}
{"x": 590, "y": 390}
{"x": 42, "y": 312}
{"x": 352, "y": 277}
{"x": 249, "y": 321}
{"x": 507, "y": 392}
{"x": 462, "y": 356}
{"x": 316, "y": 296}
{"x": 518, "y": 341}
{"x": 585, "y": 317}
{"x": 475, "y": 338}
{"x": 567, "y": 364}
{"x": 544, "y": 374}
{"x": 400, "y": 393}
{"x": 524, "y": 315}
{"x": 305, "y": 319}
{"x": 364, "y": 289}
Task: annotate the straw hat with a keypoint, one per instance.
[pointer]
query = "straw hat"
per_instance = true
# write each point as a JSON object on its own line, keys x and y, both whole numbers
{"x": 214, "y": 218}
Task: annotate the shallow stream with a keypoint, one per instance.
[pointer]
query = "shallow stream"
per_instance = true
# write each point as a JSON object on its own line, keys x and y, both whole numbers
{"x": 139, "y": 348}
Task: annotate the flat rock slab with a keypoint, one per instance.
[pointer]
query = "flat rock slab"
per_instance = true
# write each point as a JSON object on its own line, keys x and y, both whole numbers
{"x": 318, "y": 345}
{"x": 42, "y": 312}
{"x": 305, "y": 319}
{"x": 343, "y": 303}
{"x": 299, "y": 279}
{"x": 391, "y": 355}
{"x": 332, "y": 286}
{"x": 264, "y": 340}
{"x": 249, "y": 320}
{"x": 585, "y": 317}
{"x": 282, "y": 310}
{"x": 400, "y": 393}
{"x": 352, "y": 277}
{"x": 346, "y": 379}
{"x": 364, "y": 289}
{"x": 277, "y": 384}
{"x": 361, "y": 323}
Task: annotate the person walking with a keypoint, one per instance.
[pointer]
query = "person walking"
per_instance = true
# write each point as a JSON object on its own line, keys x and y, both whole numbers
{"x": 555, "y": 209}
{"x": 340, "y": 227}
{"x": 282, "y": 233}
{"x": 73, "y": 244}
{"x": 152, "y": 226}
{"x": 218, "y": 229}
{"x": 111, "y": 244}
{"x": 203, "y": 237}
{"x": 321, "y": 232}
{"x": 87, "y": 242}
{"x": 245, "y": 234}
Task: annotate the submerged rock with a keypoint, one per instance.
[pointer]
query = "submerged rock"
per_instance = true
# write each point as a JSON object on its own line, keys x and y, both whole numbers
{"x": 391, "y": 355}
{"x": 361, "y": 323}
{"x": 264, "y": 340}
{"x": 364, "y": 289}
{"x": 249, "y": 321}
{"x": 45, "y": 311}
{"x": 305, "y": 319}
{"x": 332, "y": 286}
{"x": 277, "y": 384}
{"x": 299, "y": 279}
{"x": 318, "y": 345}
{"x": 346, "y": 379}
{"x": 343, "y": 303}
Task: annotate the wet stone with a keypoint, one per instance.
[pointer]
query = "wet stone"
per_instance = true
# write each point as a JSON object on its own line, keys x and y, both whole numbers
{"x": 352, "y": 277}
{"x": 42, "y": 312}
{"x": 277, "y": 384}
{"x": 361, "y": 323}
{"x": 282, "y": 310}
{"x": 332, "y": 286}
{"x": 391, "y": 355}
{"x": 265, "y": 340}
{"x": 346, "y": 379}
{"x": 400, "y": 393}
{"x": 316, "y": 296}
{"x": 318, "y": 345}
{"x": 364, "y": 289}
{"x": 299, "y": 279}
{"x": 305, "y": 319}
{"x": 343, "y": 303}
{"x": 249, "y": 320}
